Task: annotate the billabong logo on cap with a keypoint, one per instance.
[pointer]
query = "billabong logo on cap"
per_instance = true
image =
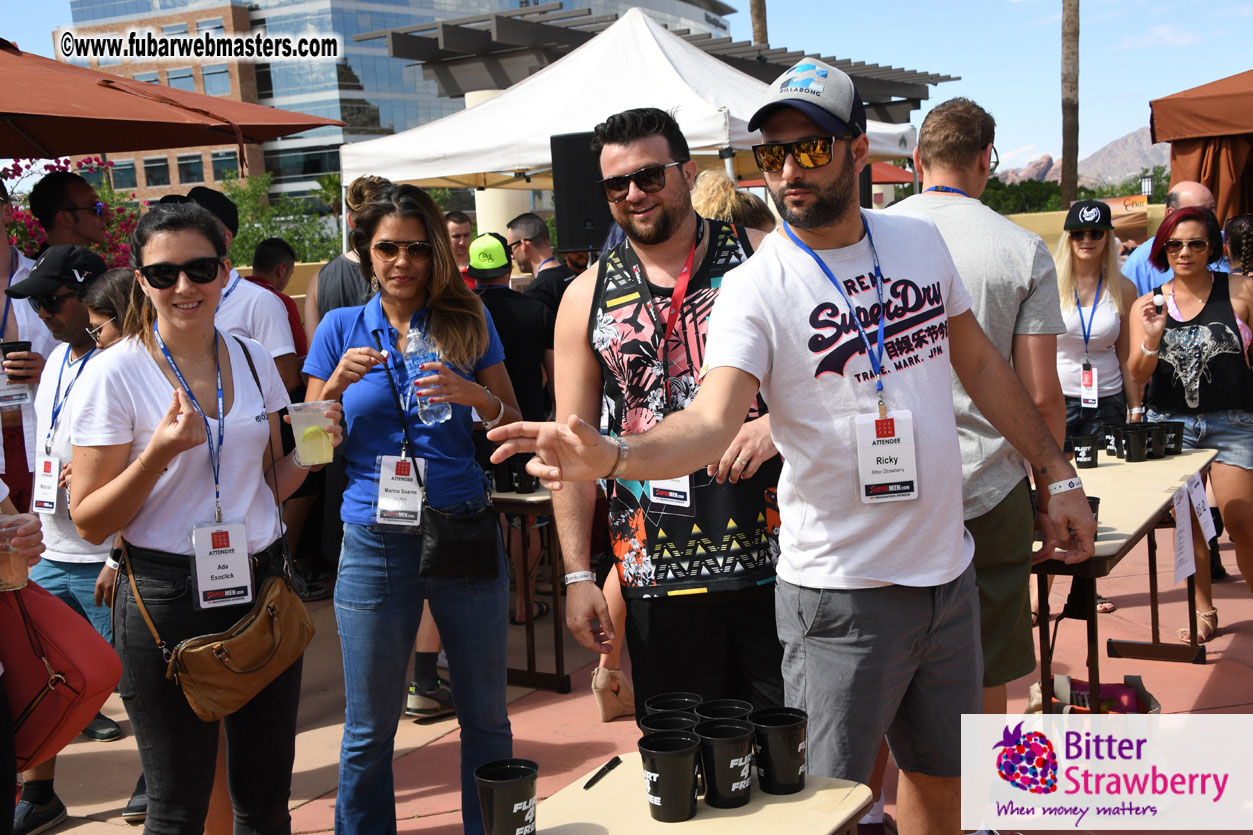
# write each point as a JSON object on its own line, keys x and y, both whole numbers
{"x": 813, "y": 68}
{"x": 1089, "y": 214}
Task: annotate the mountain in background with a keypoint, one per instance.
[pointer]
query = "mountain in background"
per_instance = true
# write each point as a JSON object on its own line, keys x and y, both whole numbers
{"x": 1117, "y": 162}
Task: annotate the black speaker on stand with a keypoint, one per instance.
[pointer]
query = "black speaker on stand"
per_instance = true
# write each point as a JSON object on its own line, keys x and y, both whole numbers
{"x": 582, "y": 214}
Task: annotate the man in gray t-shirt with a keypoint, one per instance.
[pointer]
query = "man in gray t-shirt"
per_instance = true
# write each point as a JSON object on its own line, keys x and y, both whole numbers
{"x": 1013, "y": 287}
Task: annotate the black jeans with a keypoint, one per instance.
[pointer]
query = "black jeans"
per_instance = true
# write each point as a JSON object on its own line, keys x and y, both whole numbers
{"x": 177, "y": 750}
{"x": 721, "y": 645}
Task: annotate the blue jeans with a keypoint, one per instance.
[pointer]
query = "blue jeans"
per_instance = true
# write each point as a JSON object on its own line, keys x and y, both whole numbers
{"x": 1229, "y": 432}
{"x": 75, "y": 584}
{"x": 378, "y": 605}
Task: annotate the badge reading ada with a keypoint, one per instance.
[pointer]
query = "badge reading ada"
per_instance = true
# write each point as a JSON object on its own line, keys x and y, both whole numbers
{"x": 886, "y": 463}
{"x": 223, "y": 575}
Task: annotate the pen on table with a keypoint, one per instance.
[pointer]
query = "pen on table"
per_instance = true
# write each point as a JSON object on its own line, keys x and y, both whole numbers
{"x": 604, "y": 769}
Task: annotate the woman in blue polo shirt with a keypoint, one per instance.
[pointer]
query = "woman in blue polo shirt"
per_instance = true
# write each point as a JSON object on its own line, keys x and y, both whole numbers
{"x": 356, "y": 356}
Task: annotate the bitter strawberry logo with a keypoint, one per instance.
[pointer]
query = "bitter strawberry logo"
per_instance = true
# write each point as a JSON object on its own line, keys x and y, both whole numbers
{"x": 402, "y": 469}
{"x": 885, "y": 428}
{"x": 220, "y": 539}
{"x": 1028, "y": 761}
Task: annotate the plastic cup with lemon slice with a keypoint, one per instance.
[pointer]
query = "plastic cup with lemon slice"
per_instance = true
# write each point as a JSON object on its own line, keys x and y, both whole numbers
{"x": 309, "y": 426}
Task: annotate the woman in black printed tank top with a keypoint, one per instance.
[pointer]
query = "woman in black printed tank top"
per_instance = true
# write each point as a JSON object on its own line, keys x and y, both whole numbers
{"x": 1195, "y": 356}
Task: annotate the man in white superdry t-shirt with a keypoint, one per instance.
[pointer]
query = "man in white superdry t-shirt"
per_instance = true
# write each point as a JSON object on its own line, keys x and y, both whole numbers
{"x": 876, "y": 605}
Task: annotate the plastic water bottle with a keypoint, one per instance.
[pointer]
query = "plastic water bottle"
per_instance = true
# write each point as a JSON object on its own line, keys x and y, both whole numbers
{"x": 419, "y": 350}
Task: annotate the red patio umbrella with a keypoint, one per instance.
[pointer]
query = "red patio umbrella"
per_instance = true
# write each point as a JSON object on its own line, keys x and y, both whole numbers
{"x": 52, "y": 109}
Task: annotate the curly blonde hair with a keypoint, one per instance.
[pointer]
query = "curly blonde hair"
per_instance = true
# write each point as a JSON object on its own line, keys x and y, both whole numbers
{"x": 716, "y": 196}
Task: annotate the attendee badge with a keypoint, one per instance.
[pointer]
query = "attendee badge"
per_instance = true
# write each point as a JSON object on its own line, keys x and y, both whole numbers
{"x": 223, "y": 575}
{"x": 886, "y": 463}
{"x": 676, "y": 492}
{"x": 47, "y": 474}
{"x": 1087, "y": 386}
{"x": 15, "y": 394}
{"x": 399, "y": 498}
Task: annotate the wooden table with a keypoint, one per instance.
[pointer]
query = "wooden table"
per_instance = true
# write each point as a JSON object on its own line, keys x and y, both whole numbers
{"x": 538, "y": 503}
{"x": 618, "y": 804}
{"x": 1134, "y": 497}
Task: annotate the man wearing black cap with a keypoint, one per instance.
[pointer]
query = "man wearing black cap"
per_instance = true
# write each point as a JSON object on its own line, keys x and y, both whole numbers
{"x": 245, "y": 308}
{"x": 849, "y": 323}
{"x": 1009, "y": 274}
{"x": 72, "y": 569}
{"x": 22, "y": 366}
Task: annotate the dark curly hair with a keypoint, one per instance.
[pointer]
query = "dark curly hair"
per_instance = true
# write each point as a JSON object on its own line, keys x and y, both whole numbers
{"x": 1157, "y": 254}
{"x": 642, "y": 122}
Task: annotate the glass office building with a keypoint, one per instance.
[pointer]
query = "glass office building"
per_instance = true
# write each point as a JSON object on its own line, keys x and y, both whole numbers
{"x": 372, "y": 93}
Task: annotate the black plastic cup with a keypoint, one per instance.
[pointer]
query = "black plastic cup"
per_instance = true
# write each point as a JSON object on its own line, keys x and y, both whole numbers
{"x": 1137, "y": 443}
{"x": 670, "y": 720}
{"x": 15, "y": 346}
{"x": 1157, "y": 439}
{"x": 507, "y": 796}
{"x": 680, "y": 701}
{"x": 502, "y": 476}
{"x": 670, "y": 759}
{"x": 724, "y": 709}
{"x": 1085, "y": 451}
{"x": 726, "y": 756}
{"x": 1095, "y": 504}
{"x": 779, "y": 747}
{"x": 1122, "y": 441}
{"x": 1110, "y": 433}
{"x": 1174, "y": 436}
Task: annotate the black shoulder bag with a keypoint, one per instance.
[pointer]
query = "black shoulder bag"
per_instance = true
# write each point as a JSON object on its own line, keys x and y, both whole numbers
{"x": 453, "y": 544}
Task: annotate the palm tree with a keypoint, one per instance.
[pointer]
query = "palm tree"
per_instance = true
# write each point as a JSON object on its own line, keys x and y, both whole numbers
{"x": 757, "y": 9}
{"x": 1070, "y": 101}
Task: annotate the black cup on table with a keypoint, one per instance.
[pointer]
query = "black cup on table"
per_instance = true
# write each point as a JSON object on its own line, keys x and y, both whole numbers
{"x": 1095, "y": 504}
{"x": 502, "y": 477}
{"x": 16, "y": 346}
{"x": 670, "y": 720}
{"x": 726, "y": 756}
{"x": 1137, "y": 442}
{"x": 1174, "y": 436}
{"x": 507, "y": 796}
{"x": 1158, "y": 433}
{"x": 723, "y": 709}
{"x": 1110, "y": 434}
{"x": 679, "y": 701}
{"x": 779, "y": 748}
{"x": 670, "y": 759}
{"x": 1085, "y": 447}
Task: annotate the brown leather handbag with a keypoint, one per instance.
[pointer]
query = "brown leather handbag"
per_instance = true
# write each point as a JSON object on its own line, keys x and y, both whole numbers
{"x": 220, "y": 673}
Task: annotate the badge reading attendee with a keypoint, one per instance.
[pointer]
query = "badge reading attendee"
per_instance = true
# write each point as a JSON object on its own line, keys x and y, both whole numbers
{"x": 399, "y": 498}
{"x": 15, "y": 394}
{"x": 886, "y": 463}
{"x": 1087, "y": 386}
{"x": 47, "y": 473}
{"x": 223, "y": 575}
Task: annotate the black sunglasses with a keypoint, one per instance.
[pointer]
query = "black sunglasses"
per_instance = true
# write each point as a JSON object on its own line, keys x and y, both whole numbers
{"x": 650, "y": 180}
{"x": 813, "y": 152}
{"x": 164, "y": 275}
{"x": 518, "y": 241}
{"x": 96, "y": 207}
{"x": 50, "y": 303}
{"x": 390, "y": 250}
{"x": 1174, "y": 245}
{"x": 1090, "y": 234}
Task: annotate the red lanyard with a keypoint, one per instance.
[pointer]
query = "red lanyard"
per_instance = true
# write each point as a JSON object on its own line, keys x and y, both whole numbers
{"x": 680, "y": 290}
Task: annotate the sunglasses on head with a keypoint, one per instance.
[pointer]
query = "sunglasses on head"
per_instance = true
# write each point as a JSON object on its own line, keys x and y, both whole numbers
{"x": 390, "y": 250}
{"x": 164, "y": 275}
{"x": 1090, "y": 234}
{"x": 1174, "y": 245}
{"x": 50, "y": 303}
{"x": 650, "y": 180}
{"x": 813, "y": 152}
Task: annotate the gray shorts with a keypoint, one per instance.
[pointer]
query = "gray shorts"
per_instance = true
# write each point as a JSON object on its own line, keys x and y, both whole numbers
{"x": 898, "y": 661}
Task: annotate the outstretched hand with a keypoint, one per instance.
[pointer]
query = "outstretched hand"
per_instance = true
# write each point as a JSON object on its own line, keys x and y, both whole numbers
{"x": 570, "y": 451}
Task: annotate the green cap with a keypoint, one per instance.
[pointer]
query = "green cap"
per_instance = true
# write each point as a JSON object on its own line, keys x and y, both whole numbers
{"x": 489, "y": 256}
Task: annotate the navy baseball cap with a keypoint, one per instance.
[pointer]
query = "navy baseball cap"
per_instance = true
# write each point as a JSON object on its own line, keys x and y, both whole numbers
{"x": 820, "y": 91}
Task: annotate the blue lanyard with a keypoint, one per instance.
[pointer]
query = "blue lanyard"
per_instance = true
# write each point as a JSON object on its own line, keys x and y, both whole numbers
{"x": 876, "y": 361}
{"x": 215, "y": 458}
{"x": 8, "y": 300}
{"x": 59, "y": 399}
{"x": 1087, "y": 329}
{"x": 229, "y": 290}
{"x": 948, "y": 189}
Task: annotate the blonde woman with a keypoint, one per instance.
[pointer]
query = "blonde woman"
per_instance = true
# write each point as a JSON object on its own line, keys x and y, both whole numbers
{"x": 715, "y": 196}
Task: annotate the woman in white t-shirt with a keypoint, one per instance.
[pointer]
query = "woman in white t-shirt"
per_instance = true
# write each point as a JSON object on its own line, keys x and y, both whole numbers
{"x": 172, "y": 436}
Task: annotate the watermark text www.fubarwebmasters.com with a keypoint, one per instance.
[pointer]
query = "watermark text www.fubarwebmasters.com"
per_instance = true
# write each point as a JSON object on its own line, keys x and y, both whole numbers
{"x": 141, "y": 45}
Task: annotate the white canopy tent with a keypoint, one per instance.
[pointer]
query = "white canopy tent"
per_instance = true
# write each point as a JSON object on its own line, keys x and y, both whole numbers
{"x": 504, "y": 141}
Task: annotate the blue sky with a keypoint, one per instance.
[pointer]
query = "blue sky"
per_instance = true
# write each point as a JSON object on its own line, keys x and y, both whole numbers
{"x": 1007, "y": 53}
